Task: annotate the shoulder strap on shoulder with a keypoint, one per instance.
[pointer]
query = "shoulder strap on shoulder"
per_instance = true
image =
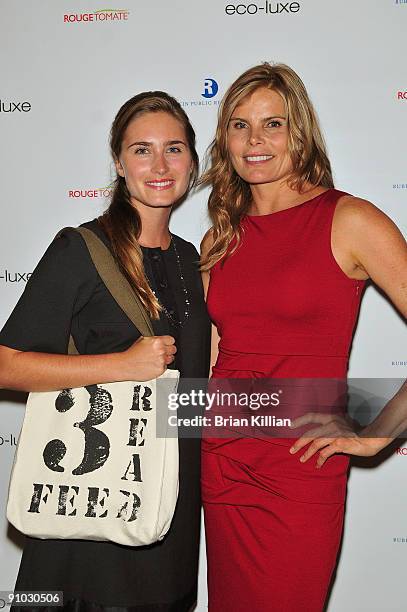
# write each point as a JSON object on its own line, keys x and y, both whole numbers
{"x": 116, "y": 283}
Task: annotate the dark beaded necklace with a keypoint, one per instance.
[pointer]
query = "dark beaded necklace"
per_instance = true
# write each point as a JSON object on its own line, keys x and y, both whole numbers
{"x": 186, "y": 308}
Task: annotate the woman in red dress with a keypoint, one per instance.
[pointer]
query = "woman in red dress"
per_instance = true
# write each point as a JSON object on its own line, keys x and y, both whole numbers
{"x": 285, "y": 264}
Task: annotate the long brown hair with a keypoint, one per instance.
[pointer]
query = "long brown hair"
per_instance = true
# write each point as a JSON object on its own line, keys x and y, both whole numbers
{"x": 121, "y": 221}
{"x": 230, "y": 197}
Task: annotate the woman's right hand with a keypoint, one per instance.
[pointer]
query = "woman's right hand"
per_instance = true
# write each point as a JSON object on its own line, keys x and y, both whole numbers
{"x": 147, "y": 358}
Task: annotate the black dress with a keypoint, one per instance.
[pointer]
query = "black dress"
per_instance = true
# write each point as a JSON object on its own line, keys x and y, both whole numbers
{"x": 65, "y": 294}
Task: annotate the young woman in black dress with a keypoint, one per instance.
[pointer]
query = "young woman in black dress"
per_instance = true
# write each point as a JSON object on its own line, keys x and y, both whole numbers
{"x": 153, "y": 147}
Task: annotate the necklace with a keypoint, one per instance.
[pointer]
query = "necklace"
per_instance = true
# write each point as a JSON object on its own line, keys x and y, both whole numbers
{"x": 186, "y": 312}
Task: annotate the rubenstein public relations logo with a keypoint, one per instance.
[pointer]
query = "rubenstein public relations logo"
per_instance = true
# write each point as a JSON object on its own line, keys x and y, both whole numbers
{"x": 264, "y": 7}
{"x": 101, "y": 15}
{"x": 211, "y": 88}
{"x": 209, "y": 92}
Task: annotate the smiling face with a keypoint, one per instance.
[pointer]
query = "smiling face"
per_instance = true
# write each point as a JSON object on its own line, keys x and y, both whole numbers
{"x": 155, "y": 160}
{"x": 257, "y": 138}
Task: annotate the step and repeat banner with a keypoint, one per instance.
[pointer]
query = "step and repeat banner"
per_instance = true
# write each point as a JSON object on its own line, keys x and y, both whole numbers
{"x": 66, "y": 68}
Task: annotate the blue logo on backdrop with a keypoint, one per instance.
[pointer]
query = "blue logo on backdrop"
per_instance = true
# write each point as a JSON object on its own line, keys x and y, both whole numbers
{"x": 210, "y": 88}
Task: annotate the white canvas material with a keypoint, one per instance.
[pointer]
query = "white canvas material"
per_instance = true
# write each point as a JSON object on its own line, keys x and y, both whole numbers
{"x": 90, "y": 466}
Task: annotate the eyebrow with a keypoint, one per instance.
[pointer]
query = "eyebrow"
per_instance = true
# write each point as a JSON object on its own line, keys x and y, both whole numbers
{"x": 265, "y": 118}
{"x": 144, "y": 143}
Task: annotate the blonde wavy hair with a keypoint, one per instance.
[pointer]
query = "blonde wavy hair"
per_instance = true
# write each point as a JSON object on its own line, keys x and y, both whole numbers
{"x": 230, "y": 197}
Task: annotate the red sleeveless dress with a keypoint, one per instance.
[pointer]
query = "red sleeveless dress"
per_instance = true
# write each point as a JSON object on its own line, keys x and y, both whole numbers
{"x": 283, "y": 309}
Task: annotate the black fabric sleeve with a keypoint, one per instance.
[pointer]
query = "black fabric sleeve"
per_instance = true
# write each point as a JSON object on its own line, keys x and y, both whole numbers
{"x": 59, "y": 287}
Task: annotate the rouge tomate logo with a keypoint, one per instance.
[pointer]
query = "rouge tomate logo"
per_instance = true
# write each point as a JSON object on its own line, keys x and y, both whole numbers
{"x": 101, "y": 15}
{"x": 99, "y": 192}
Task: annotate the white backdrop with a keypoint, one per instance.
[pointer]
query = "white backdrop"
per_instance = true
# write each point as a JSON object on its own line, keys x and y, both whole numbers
{"x": 65, "y": 71}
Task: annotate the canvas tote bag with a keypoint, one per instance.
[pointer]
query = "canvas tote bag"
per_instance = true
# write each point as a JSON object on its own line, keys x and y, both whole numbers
{"x": 88, "y": 464}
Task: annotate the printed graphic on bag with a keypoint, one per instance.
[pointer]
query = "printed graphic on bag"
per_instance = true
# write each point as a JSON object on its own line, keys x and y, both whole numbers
{"x": 98, "y": 460}
{"x": 95, "y": 454}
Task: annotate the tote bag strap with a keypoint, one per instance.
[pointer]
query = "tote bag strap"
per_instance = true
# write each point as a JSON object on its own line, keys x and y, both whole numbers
{"x": 116, "y": 283}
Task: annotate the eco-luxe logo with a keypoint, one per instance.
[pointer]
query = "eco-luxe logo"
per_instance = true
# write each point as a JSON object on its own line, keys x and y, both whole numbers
{"x": 101, "y": 15}
{"x": 8, "y": 439}
{"x": 263, "y": 8}
{"x": 14, "y": 107}
{"x": 14, "y": 277}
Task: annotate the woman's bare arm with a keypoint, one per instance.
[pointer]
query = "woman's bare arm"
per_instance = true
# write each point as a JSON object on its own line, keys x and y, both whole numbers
{"x": 205, "y": 246}
{"x": 146, "y": 359}
{"x": 366, "y": 244}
